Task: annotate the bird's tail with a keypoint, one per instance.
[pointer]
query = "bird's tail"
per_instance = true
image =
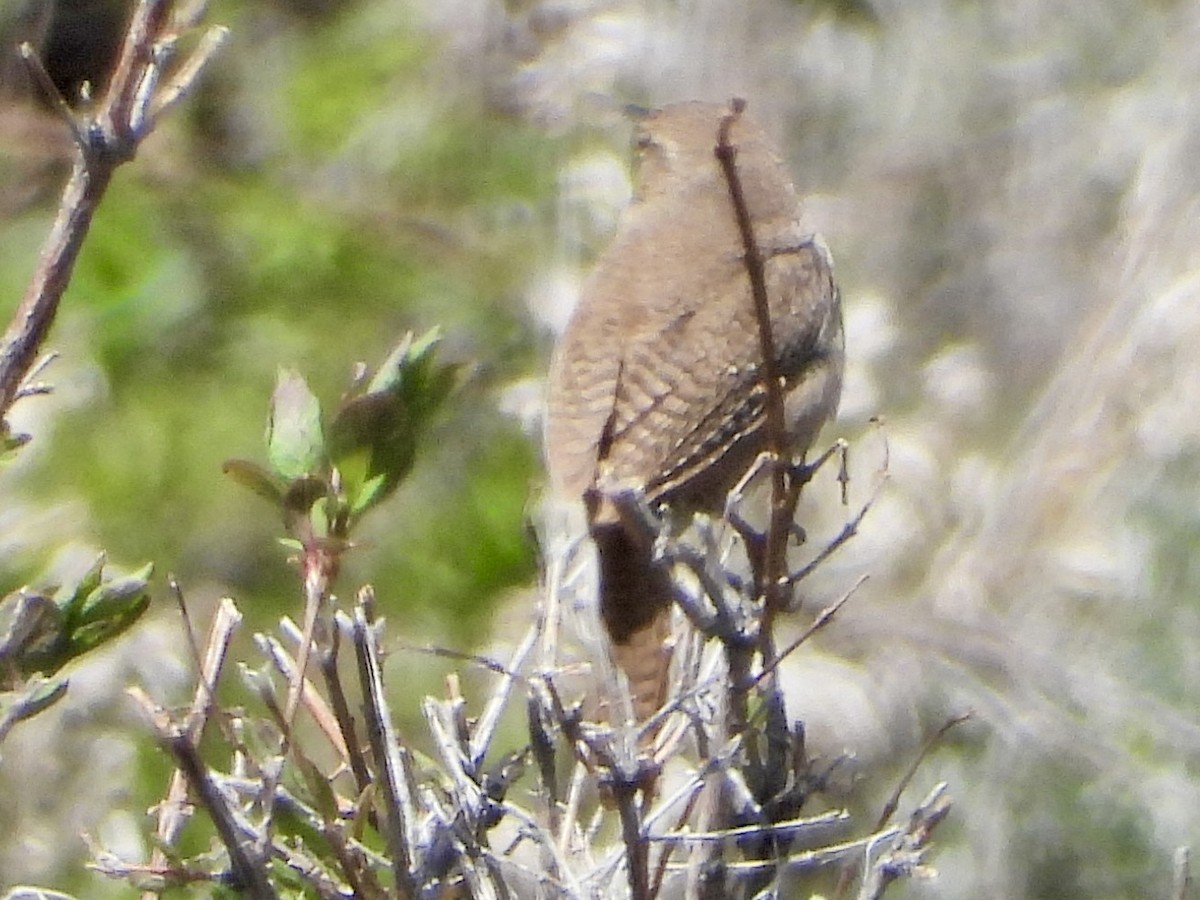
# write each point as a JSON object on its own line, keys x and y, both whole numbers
{"x": 635, "y": 604}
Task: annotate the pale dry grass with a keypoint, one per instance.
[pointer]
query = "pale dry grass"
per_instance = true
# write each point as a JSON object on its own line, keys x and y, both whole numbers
{"x": 1011, "y": 195}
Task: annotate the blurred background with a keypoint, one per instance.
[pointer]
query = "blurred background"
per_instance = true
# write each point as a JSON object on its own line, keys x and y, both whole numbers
{"x": 1010, "y": 193}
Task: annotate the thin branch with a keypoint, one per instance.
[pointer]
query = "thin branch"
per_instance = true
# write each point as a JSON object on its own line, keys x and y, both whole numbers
{"x": 173, "y": 811}
{"x": 637, "y": 848}
{"x": 137, "y": 65}
{"x": 726, "y": 154}
{"x": 488, "y": 722}
{"x": 341, "y": 707}
{"x": 189, "y": 630}
{"x": 30, "y": 386}
{"x": 791, "y": 828}
{"x": 473, "y": 658}
{"x": 355, "y": 869}
{"x": 35, "y": 315}
{"x": 188, "y": 13}
{"x": 250, "y": 874}
{"x": 312, "y": 700}
{"x": 849, "y": 530}
{"x": 41, "y": 77}
{"x": 823, "y": 619}
{"x": 893, "y": 802}
{"x": 103, "y": 142}
{"x": 177, "y": 88}
{"x": 782, "y": 505}
{"x": 320, "y": 565}
{"x": 685, "y": 815}
{"x": 931, "y": 742}
{"x": 905, "y": 854}
{"x": 385, "y": 744}
{"x": 809, "y": 860}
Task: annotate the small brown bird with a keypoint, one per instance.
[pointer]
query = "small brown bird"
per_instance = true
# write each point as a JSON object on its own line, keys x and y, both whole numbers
{"x": 656, "y": 384}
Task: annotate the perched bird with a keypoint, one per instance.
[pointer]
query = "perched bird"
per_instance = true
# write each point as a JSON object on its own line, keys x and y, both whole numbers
{"x": 656, "y": 382}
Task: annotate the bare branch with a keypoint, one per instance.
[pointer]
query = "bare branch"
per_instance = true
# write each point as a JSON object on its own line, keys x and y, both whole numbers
{"x": 312, "y": 700}
{"x": 905, "y": 853}
{"x": 782, "y": 505}
{"x": 931, "y": 742}
{"x": 341, "y": 707}
{"x": 486, "y": 729}
{"x": 790, "y": 829}
{"x": 823, "y": 619}
{"x": 249, "y": 872}
{"x": 385, "y": 744}
{"x": 173, "y": 811}
{"x": 104, "y": 141}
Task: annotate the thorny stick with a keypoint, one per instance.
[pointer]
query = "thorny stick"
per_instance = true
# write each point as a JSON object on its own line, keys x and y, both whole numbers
{"x": 893, "y": 802}
{"x": 889, "y": 808}
{"x": 320, "y": 565}
{"x": 250, "y": 873}
{"x": 390, "y": 756}
{"x": 823, "y": 618}
{"x": 171, "y": 811}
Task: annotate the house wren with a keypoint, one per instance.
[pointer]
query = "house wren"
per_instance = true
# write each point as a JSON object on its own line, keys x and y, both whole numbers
{"x": 656, "y": 382}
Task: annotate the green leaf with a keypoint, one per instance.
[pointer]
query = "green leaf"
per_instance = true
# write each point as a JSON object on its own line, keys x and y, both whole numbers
{"x": 71, "y": 597}
{"x": 389, "y": 373}
{"x": 303, "y": 514}
{"x": 92, "y": 577}
{"x": 106, "y": 612}
{"x": 30, "y": 627}
{"x": 373, "y": 446}
{"x": 115, "y": 595}
{"x": 44, "y": 633}
{"x": 100, "y": 631}
{"x": 295, "y": 444}
{"x": 255, "y": 477}
{"x": 37, "y": 696}
{"x": 373, "y": 436}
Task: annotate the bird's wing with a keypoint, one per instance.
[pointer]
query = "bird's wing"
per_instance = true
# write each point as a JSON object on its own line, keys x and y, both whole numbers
{"x": 688, "y": 407}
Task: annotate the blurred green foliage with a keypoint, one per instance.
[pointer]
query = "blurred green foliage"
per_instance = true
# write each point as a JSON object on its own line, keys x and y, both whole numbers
{"x": 323, "y": 193}
{"x": 221, "y": 255}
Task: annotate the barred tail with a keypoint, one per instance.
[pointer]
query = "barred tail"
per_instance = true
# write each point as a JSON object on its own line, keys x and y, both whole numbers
{"x": 635, "y": 604}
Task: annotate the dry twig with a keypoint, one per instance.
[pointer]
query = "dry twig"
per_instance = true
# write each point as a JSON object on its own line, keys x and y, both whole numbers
{"x": 174, "y": 810}
{"x": 129, "y": 110}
